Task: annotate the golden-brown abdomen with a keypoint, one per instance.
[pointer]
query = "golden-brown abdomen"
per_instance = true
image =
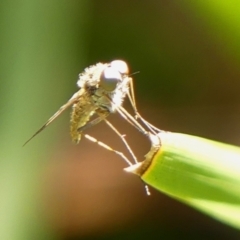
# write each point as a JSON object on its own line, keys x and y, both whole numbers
{"x": 81, "y": 113}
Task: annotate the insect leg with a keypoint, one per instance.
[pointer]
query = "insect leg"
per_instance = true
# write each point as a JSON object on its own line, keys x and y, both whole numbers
{"x": 92, "y": 139}
{"x": 129, "y": 149}
{"x": 132, "y": 100}
{"x": 130, "y": 119}
{"x": 107, "y": 147}
{"x": 123, "y": 139}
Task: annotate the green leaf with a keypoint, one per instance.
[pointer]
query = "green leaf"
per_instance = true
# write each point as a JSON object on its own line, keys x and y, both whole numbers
{"x": 201, "y": 173}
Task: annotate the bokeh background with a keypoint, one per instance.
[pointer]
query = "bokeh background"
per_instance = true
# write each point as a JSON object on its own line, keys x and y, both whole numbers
{"x": 188, "y": 55}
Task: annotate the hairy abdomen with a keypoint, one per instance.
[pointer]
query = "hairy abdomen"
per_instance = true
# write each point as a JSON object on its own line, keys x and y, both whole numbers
{"x": 81, "y": 113}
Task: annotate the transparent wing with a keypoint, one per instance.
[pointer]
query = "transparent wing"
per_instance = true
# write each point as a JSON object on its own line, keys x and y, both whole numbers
{"x": 73, "y": 100}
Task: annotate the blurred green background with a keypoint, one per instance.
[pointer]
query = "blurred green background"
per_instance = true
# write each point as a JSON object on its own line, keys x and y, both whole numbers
{"x": 188, "y": 55}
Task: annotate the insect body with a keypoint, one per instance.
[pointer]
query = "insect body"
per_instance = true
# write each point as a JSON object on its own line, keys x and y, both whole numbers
{"x": 103, "y": 88}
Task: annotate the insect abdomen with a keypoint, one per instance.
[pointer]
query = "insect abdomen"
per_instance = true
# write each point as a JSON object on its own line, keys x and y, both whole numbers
{"x": 80, "y": 115}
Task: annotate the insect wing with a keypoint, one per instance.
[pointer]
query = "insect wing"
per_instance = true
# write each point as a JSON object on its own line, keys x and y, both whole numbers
{"x": 71, "y": 101}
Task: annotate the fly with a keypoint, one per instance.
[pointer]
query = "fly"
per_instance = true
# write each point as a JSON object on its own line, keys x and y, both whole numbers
{"x": 102, "y": 89}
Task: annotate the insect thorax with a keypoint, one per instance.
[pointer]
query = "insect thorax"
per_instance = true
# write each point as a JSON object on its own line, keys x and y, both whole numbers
{"x": 90, "y": 81}
{"x": 94, "y": 99}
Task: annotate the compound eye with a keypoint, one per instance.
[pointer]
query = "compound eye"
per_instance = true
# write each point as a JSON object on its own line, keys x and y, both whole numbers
{"x": 109, "y": 79}
{"x": 121, "y": 66}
